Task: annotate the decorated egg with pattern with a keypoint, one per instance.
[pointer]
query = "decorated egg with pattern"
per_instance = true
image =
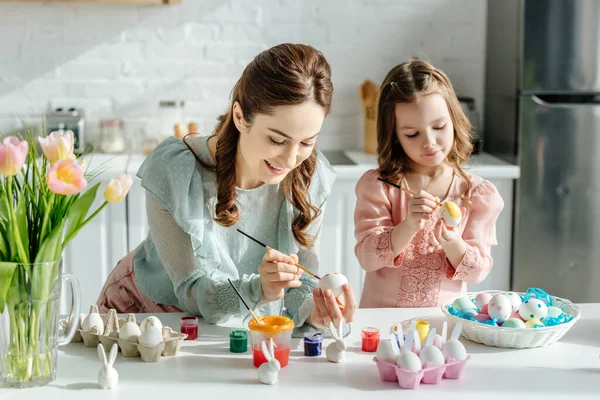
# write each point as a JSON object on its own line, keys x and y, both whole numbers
{"x": 515, "y": 300}
{"x": 533, "y": 308}
{"x": 450, "y": 213}
{"x": 500, "y": 308}
{"x": 334, "y": 282}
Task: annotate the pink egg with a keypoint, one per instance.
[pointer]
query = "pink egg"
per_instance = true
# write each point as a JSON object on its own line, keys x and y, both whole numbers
{"x": 482, "y": 299}
{"x": 484, "y": 309}
{"x": 482, "y": 317}
{"x": 516, "y": 315}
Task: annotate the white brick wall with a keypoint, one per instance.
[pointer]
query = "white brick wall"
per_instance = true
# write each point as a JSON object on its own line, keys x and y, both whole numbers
{"x": 120, "y": 60}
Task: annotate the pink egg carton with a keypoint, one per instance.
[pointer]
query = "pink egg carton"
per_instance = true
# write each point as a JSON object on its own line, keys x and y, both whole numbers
{"x": 430, "y": 375}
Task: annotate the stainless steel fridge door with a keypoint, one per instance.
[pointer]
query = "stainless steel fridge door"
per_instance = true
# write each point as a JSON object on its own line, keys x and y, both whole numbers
{"x": 557, "y": 220}
{"x": 561, "y": 46}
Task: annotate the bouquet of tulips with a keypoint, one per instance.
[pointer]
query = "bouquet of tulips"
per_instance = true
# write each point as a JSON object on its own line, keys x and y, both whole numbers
{"x": 43, "y": 205}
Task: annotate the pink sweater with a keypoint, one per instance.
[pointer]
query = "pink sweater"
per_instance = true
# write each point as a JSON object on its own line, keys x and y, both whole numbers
{"x": 415, "y": 278}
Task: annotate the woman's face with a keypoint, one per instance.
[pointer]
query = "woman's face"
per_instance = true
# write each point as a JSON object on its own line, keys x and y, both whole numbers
{"x": 275, "y": 144}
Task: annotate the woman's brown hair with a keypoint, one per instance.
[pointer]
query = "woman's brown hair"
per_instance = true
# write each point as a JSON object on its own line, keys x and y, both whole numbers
{"x": 402, "y": 85}
{"x": 284, "y": 75}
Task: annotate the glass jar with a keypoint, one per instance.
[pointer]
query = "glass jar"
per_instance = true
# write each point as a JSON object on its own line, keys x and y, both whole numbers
{"x": 112, "y": 136}
{"x": 170, "y": 114}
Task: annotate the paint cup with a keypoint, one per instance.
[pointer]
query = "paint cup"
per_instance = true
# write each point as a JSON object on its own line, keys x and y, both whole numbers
{"x": 189, "y": 326}
{"x": 313, "y": 344}
{"x": 423, "y": 329}
{"x": 276, "y": 327}
{"x": 370, "y": 339}
{"x": 238, "y": 341}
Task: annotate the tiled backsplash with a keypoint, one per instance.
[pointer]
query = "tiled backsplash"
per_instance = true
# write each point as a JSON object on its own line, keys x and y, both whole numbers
{"x": 120, "y": 60}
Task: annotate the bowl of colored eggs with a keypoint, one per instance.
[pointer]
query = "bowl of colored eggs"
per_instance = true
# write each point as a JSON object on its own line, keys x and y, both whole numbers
{"x": 512, "y": 319}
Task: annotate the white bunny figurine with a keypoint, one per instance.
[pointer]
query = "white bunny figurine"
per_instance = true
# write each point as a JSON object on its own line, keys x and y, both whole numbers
{"x": 430, "y": 353}
{"x": 453, "y": 348}
{"x": 108, "y": 376}
{"x": 336, "y": 351}
{"x": 269, "y": 371}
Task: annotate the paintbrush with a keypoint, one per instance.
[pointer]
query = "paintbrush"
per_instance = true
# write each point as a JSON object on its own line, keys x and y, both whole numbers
{"x": 267, "y": 247}
{"x": 403, "y": 188}
{"x": 244, "y": 301}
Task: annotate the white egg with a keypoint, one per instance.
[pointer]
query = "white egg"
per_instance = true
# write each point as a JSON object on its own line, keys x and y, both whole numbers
{"x": 482, "y": 299}
{"x": 130, "y": 331}
{"x": 151, "y": 321}
{"x": 151, "y": 336}
{"x": 463, "y": 303}
{"x": 515, "y": 300}
{"x": 334, "y": 282}
{"x": 554, "y": 312}
{"x": 533, "y": 309}
{"x": 385, "y": 352}
{"x": 454, "y": 349}
{"x": 431, "y": 354}
{"x": 513, "y": 323}
{"x": 451, "y": 213}
{"x": 409, "y": 361}
{"x": 93, "y": 320}
{"x": 500, "y": 308}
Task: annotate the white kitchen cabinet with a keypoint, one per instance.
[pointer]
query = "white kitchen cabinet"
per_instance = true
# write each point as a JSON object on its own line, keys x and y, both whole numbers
{"x": 336, "y": 252}
{"x": 97, "y": 248}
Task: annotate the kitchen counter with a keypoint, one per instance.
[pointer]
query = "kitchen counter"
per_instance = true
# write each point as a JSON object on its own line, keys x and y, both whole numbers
{"x": 206, "y": 369}
{"x": 482, "y": 164}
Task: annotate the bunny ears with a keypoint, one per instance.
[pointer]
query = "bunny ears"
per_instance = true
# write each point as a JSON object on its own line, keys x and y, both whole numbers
{"x": 270, "y": 352}
{"x": 111, "y": 357}
{"x": 338, "y": 334}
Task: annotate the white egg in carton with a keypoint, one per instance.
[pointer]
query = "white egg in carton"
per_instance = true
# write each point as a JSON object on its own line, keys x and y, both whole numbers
{"x": 150, "y": 339}
{"x": 409, "y": 364}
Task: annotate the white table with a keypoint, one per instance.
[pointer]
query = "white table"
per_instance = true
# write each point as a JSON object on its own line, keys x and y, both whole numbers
{"x": 205, "y": 369}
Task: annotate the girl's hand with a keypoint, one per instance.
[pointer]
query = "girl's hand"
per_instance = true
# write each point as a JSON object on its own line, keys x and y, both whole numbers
{"x": 420, "y": 208}
{"x": 278, "y": 272}
{"x": 328, "y": 308}
{"x": 444, "y": 236}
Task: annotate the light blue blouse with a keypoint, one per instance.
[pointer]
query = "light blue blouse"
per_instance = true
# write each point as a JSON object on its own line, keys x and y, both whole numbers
{"x": 171, "y": 175}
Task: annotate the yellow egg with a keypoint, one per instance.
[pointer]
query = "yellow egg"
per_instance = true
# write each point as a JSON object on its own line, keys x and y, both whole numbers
{"x": 534, "y": 323}
{"x": 451, "y": 213}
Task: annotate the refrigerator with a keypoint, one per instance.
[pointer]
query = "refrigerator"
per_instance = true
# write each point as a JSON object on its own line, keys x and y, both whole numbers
{"x": 542, "y": 111}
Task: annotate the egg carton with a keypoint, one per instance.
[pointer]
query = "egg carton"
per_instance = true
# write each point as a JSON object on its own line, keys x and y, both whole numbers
{"x": 168, "y": 347}
{"x": 431, "y": 375}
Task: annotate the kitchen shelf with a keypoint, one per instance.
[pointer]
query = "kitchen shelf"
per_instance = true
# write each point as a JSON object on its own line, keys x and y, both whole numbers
{"x": 140, "y": 2}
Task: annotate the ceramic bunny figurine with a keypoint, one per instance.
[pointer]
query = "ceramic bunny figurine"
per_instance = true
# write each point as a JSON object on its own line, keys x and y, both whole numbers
{"x": 269, "y": 371}
{"x": 453, "y": 348}
{"x": 336, "y": 351}
{"x": 108, "y": 376}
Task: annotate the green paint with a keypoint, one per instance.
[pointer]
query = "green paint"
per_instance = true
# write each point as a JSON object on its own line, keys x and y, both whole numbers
{"x": 238, "y": 341}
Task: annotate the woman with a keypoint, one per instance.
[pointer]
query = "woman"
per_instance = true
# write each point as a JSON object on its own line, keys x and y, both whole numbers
{"x": 258, "y": 172}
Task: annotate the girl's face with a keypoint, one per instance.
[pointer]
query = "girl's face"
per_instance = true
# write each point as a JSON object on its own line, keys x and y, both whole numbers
{"x": 275, "y": 144}
{"x": 424, "y": 129}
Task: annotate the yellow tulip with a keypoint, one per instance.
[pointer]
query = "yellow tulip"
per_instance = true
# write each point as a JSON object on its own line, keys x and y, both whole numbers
{"x": 118, "y": 188}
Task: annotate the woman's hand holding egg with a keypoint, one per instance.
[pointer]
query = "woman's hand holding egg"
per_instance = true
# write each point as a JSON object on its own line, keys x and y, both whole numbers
{"x": 328, "y": 308}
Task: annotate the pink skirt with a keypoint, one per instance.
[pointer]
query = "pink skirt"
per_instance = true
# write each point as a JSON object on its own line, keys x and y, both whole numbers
{"x": 122, "y": 293}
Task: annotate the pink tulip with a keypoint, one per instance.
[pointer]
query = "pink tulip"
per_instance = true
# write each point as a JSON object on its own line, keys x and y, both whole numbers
{"x": 117, "y": 188}
{"x": 66, "y": 177}
{"x": 13, "y": 153}
{"x": 58, "y": 145}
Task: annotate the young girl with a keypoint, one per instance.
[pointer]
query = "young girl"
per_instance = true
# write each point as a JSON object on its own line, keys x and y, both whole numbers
{"x": 259, "y": 172}
{"x": 411, "y": 257}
